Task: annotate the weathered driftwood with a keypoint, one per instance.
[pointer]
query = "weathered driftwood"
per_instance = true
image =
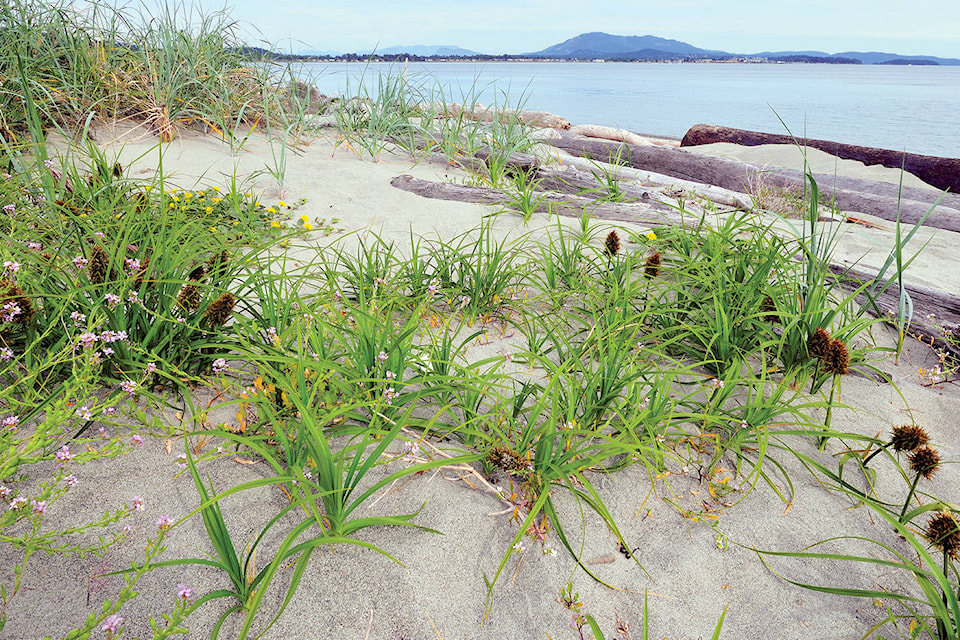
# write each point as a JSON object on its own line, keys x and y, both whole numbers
{"x": 567, "y": 205}
{"x": 942, "y": 173}
{"x": 576, "y": 181}
{"x": 715, "y": 194}
{"x": 609, "y": 133}
{"x": 481, "y": 113}
{"x": 863, "y": 196}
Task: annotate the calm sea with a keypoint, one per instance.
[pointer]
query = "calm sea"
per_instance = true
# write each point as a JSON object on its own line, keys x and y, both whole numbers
{"x": 916, "y": 109}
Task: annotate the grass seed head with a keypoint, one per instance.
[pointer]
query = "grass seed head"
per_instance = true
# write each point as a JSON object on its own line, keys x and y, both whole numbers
{"x": 99, "y": 265}
{"x": 11, "y": 292}
{"x": 217, "y": 265}
{"x": 908, "y": 437}
{"x": 189, "y": 298}
{"x": 197, "y": 273}
{"x": 925, "y": 461}
{"x": 651, "y": 269}
{"x": 836, "y": 360}
{"x": 612, "y": 244}
{"x": 818, "y": 343}
{"x": 220, "y": 309}
{"x": 508, "y": 460}
{"x": 944, "y": 532}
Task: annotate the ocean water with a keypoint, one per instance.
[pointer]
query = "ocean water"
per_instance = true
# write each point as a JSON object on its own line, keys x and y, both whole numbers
{"x": 915, "y": 109}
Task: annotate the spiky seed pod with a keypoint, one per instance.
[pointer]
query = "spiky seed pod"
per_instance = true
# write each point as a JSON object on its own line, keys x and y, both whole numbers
{"x": 508, "y": 460}
{"x": 908, "y": 437}
{"x": 836, "y": 360}
{"x": 944, "y": 532}
{"x": 217, "y": 265}
{"x": 189, "y": 298}
{"x": 612, "y": 244}
{"x": 220, "y": 309}
{"x": 651, "y": 269}
{"x": 99, "y": 265}
{"x": 11, "y": 292}
{"x": 818, "y": 343}
{"x": 141, "y": 273}
{"x": 197, "y": 273}
{"x": 925, "y": 461}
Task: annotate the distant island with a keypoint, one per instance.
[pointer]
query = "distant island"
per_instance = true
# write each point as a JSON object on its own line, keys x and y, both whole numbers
{"x": 604, "y": 47}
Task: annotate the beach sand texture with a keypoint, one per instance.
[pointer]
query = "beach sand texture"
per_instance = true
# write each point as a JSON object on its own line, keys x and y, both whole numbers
{"x": 695, "y": 557}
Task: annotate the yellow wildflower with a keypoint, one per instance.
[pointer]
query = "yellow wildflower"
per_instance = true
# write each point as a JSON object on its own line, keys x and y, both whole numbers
{"x": 275, "y": 224}
{"x": 651, "y": 235}
{"x": 305, "y": 218}
{"x": 281, "y": 203}
{"x": 308, "y": 226}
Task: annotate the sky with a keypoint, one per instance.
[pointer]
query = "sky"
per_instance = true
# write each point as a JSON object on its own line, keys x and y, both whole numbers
{"x": 916, "y": 27}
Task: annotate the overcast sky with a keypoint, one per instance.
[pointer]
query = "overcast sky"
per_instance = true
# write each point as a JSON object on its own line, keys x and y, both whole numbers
{"x": 916, "y": 27}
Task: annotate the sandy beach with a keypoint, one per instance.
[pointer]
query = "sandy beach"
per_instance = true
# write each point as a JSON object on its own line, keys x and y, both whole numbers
{"x": 694, "y": 549}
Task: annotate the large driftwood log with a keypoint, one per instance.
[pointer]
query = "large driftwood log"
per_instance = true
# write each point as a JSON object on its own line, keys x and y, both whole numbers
{"x": 568, "y": 205}
{"x": 942, "y": 173}
{"x": 609, "y": 133}
{"x": 863, "y": 196}
{"x": 715, "y": 194}
{"x": 482, "y": 113}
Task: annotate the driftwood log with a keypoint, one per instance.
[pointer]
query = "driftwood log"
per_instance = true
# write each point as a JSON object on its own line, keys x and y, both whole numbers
{"x": 849, "y": 194}
{"x": 483, "y": 113}
{"x": 942, "y": 173}
{"x": 609, "y": 133}
{"x": 648, "y": 212}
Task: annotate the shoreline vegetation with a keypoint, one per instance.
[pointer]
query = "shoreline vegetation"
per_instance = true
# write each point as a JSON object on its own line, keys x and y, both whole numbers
{"x": 275, "y": 364}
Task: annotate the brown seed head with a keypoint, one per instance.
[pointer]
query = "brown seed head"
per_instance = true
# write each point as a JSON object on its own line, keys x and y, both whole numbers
{"x": 217, "y": 265}
{"x": 220, "y": 309}
{"x": 197, "y": 273}
{"x": 11, "y": 292}
{"x": 925, "y": 461}
{"x": 944, "y": 532}
{"x": 836, "y": 360}
{"x": 508, "y": 460}
{"x": 98, "y": 266}
{"x": 652, "y": 267}
{"x": 818, "y": 342}
{"x": 141, "y": 273}
{"x": 612, "y": 244}
{"x": 908, "y": 437}
{"x": 189, "y": 298}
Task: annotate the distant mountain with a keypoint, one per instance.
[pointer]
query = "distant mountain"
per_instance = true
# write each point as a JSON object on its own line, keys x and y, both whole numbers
{"x": 875, "y": 57}
{"x": 596, "y": 44}
{"x": 599, "y": 45}
{"x": 604, "y": 45}
{"x": 320, "y": 52}
{"x": 423, "y": 50}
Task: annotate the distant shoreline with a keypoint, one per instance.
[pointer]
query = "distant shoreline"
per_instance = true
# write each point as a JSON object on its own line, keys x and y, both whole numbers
{"x": 356, "y": 58}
